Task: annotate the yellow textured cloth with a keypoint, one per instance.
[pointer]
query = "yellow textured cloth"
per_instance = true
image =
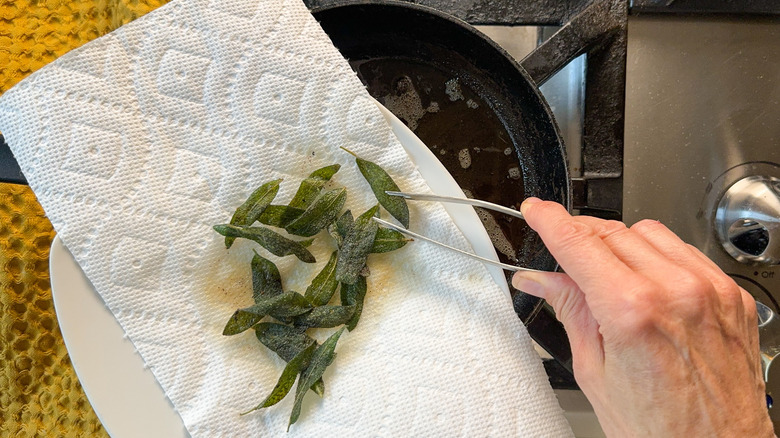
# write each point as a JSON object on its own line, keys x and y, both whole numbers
{"x": 39, "y": 392}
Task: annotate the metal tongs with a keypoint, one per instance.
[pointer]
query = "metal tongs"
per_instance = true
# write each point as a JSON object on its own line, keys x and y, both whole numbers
{"x": 474, "y": 202}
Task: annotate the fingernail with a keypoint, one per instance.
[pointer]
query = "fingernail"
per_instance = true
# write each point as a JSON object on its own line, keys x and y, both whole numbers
{"x": 526, "y": 282}
{"x": 527, "y": 203}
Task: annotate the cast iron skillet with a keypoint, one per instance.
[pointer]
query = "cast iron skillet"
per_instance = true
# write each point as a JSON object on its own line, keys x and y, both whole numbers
{"x": 475, "y": 108}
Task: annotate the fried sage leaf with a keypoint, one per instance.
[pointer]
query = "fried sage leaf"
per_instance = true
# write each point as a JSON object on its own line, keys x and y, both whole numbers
{"x": 324, "y": 210}
{"x": 380, "y": 181}
{"x": 387, "y": 240}
{"x": 283, "y": 340}
{"x": 324, "y": 284}
{"x": 285, "y": 305}
{"x": 311, "y": 186}
{"x": 287, "y": 379}
{"x": 286, "y": 342}
{"x": 339, "y": 229}
{"x": 279, "y": 216}
{"x": 322, "y": 357}
{"x": 266, "y": 281}
{"x": 248, "y": 212}
{"x": 353, "y": 295}
{"x": 274, "y": 242}
{"x": 356, "y": 247}
{"x": 325, "y": 316}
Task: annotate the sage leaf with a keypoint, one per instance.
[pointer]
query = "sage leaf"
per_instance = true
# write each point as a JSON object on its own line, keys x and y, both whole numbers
{"x": 274, "y": 242}
{"x": 322, "y": 357}
{"x": 279, "y": 216}
{"x": 356, "y": 247}
{"x": 339, "y": 229}
{"x": 387, "y": 240}
{"x": 324, "y": 210}
{"x": 311, "y": 186}
{"x": 345, "y": 223}
{"x": 380, "y": 181}
{"x": 318, "y": 387}
{"x": 353, "y": 295}
{"x": 290, "y": 307}
{"x": 334, "y": 233}
{"x": 285, "y": 305}
{"x": 283, "y": 340}
{"x": 287, "y": 379}
{"x": 240, "y": 321}
{"x": 324, "y": 284}
{"x": 266, "y": 281}
{"x": 248, "y": 212}
{"x": 287, "y": 342}
{"x": 325, "y": 316}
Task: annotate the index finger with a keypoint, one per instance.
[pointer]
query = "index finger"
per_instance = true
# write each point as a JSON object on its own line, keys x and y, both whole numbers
{"x": 577, "y": 248}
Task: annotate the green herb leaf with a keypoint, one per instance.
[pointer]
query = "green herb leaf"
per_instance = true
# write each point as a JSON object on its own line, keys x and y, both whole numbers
{"x": 293, "y": 306}
{"x": 324, "y": 284}
{"x": 325, "y": 316}
{"x": 387, "y": 240}
{"x": 318, "y": 387}
{"x": 322, "y": 357}
{"x": 287, "y": 342}
{"x": 266, "y": 281}
{"x": 311, "y": 186}
{"x": 248, "y": 212}
{"x": 339, "y": 229}
{"x": 285, "y": 305}
{"x": 283, "y": 340}
{"x": 380, "y": 181}
{"x": 345, "y": 223}
{"x": 274, "y": 242}
{"x": 356, "y": 247}
{"x": 353, "y": 295}
{"x": 279, "y": 216}
{"x": 324, "y": 210}
{"x": 287, "y": 379}
{"x": 240, "y": 321}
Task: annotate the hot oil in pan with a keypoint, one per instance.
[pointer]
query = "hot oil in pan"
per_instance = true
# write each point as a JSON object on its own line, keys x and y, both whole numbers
{"x": 460, "y": 127}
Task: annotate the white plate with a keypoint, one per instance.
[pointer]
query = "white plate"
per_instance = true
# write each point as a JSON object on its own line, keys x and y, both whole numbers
{"x": 123, "y": 392}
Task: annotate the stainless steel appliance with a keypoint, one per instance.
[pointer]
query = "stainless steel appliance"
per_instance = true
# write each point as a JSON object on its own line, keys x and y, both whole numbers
{"x": 702, "y": 143}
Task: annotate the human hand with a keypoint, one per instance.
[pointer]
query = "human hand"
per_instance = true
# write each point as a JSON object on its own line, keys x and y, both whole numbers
{"x": 664, "y": 343}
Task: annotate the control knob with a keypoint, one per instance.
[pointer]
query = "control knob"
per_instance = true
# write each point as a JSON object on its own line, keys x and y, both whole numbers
{"x": 747, "y": 220}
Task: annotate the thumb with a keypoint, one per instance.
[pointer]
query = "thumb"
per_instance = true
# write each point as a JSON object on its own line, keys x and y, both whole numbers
{"x": 571, "y": 308}
{"x": 556, "y": 288}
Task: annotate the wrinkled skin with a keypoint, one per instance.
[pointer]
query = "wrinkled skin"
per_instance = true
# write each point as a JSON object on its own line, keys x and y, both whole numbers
{"x": 664, "y": 343}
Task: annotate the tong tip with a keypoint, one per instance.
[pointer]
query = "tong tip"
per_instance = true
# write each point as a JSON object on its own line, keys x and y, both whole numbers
{"x": 401, "y": 194}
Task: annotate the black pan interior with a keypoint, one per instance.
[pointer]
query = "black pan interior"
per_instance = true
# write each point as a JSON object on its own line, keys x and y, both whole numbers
{"x": 466, "y": 99}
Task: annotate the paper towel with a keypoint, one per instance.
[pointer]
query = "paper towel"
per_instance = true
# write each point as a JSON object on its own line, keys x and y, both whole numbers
{"x": 139, "y": 141}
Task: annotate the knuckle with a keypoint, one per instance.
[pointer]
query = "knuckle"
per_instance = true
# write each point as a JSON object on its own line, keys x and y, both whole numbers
{"x": 571, "y": 233}
{"x": 640, "y": 311}
{"x": 693, "y": 288}
{"x": 728, "y": 291}
{"x": 725, "y": 285}
{"x": 696, "y": 297}
{"x": 609, "y": 228}
{"x": 749, "y": 304}
{"x": 647, "y": 226}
